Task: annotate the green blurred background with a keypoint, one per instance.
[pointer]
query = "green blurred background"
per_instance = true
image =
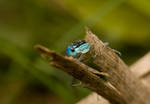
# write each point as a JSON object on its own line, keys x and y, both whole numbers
{"x": 25, "y": 78}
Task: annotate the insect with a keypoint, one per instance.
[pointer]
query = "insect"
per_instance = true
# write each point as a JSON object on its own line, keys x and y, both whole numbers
{"x": 77, "y": 48}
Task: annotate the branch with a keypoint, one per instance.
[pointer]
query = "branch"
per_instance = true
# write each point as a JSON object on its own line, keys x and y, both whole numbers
{"x": 141, "y": 69}
{"x": 127, "y": 89}
{"x": 120, "y": 76}
{"x": 83, "y": 73}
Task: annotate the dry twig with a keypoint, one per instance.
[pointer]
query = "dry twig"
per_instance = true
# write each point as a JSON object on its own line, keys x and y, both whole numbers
{"x": 120, "y": 76}
{"x": 128, "y": 89}
{"x": 83, "y": 73}
{"x": 141, "y": 69}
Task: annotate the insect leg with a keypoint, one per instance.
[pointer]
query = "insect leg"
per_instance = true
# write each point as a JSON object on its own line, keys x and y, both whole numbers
{"x": 119, "y": 53}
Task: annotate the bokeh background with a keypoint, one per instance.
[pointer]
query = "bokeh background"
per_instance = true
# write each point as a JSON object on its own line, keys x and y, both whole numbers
{"x": 25, "y": 78}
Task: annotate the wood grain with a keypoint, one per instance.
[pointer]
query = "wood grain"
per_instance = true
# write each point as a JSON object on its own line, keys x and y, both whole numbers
{"x": 123, "y": 86}
{"x": 120, "y": 76}
{"x": 141, "y": 68}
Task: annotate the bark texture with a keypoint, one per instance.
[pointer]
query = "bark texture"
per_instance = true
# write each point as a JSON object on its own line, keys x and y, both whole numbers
{"x": 120, "y": 76}
{"x": 141, "y": 69}
{"x": 123, "y": 86}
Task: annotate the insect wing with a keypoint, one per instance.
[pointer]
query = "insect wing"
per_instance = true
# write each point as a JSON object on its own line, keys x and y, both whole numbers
{"x": 84, "y": 48}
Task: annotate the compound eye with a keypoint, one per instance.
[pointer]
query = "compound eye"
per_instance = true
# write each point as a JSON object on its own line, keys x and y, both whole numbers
{"x": 72, "y": 50}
